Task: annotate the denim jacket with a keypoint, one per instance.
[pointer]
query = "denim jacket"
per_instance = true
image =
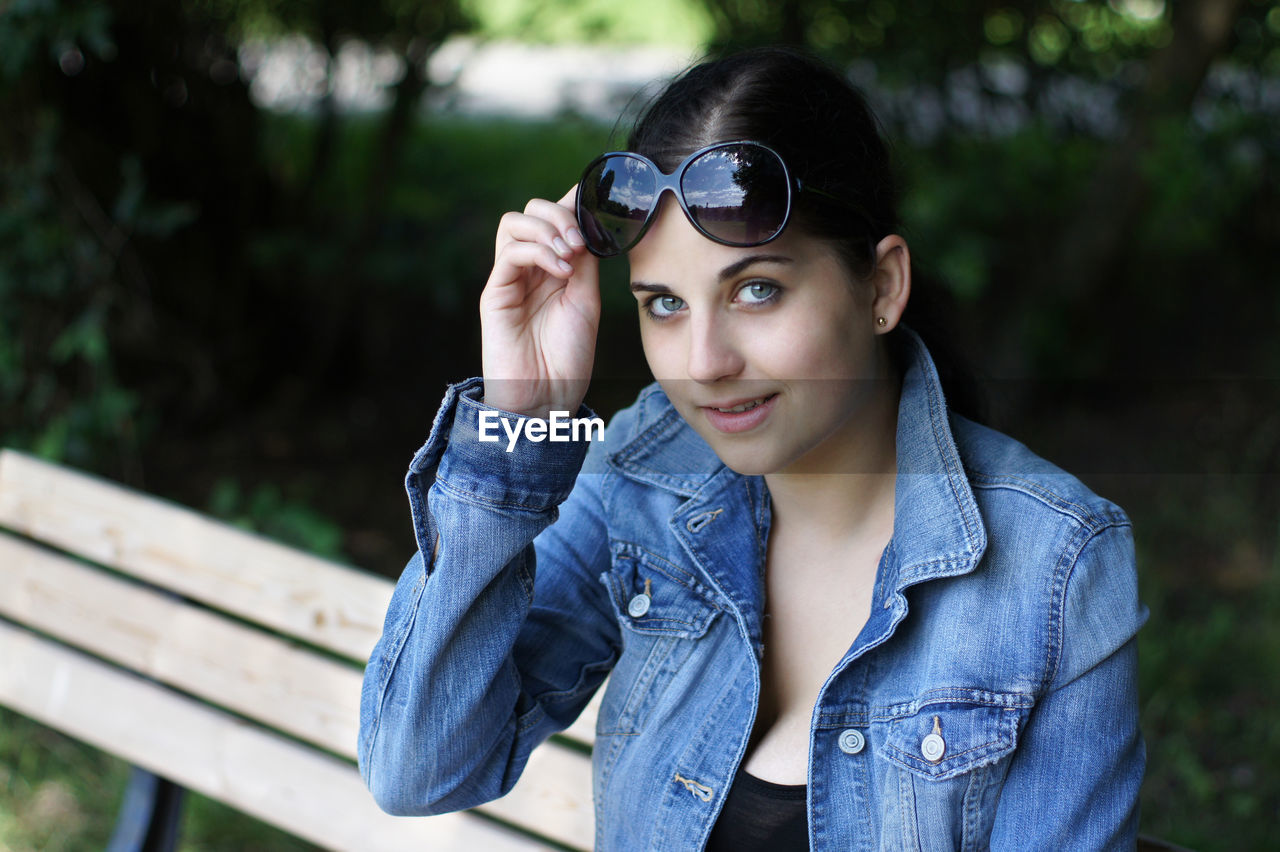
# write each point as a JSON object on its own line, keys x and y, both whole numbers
{"x": 988, "y": 702}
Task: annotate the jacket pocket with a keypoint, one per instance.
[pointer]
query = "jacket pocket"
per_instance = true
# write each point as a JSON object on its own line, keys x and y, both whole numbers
{"x": 948, "y": 737}
{"x": 945, "y": 759}
{"x": 661, "y": 610}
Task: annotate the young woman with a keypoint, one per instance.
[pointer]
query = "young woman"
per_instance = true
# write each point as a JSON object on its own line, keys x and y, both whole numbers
{"x": 833, "y": 614}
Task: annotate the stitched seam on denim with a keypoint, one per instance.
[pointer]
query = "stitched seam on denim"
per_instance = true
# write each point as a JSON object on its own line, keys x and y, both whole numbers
{"x": 910, "y": 821}
{"x": 624, "y": 549}
{"x": 938, "y": 416}
{"x": 913, "y": 760}
{"x": 649, "y": 476}
{"x": 691, "y": 546}
{"x": 582, "y": 686}
{"x": 625, "y": 460}
{"x": 758, "y": 512}
{"x": 1058, "y": 599}
{"x": 651, "y": 435}
{"x": 646, "y": 624}
{"x": 519, "y": 566}
{"x": 530, "y": 719}
{"x": 655, "y": 624}
{"x": 1052, "y": 499}
{"x": 971, "y": 818}
{"x": 628, "y": 717}
{"x": 471, "y": 498}
{"x": 906, "y": 710}
{"x": 388, "y": 661}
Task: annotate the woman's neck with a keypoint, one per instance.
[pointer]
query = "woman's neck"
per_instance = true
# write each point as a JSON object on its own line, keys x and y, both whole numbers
{"x": 854, "y": 492}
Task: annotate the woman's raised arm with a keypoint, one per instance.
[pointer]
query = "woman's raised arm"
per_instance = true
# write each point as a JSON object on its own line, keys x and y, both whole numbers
{"x": 463, "y": 682}
{"x": 540, "y": 311}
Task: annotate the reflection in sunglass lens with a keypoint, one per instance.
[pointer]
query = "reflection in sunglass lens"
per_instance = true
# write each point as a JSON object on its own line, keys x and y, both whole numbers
{"x": 738, "y": 194}
{"x": 618, "y": 193}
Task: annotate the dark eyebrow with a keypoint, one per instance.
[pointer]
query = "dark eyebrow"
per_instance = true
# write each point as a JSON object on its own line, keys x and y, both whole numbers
{"x": 731, "y": 271}
{"x": 646, "y": 287}
{"x": 736, "y": 268}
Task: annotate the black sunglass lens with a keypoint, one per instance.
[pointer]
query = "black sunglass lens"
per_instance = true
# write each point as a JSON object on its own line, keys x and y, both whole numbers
{"x": 615, "y": 198}
{"x": 738, "y": 194}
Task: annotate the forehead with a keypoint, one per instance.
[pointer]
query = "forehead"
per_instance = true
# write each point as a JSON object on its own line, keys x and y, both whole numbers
{"x": 673, "y": 252}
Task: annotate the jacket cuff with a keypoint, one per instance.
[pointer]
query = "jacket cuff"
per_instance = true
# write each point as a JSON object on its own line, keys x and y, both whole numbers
{"x": 520, "y": 475}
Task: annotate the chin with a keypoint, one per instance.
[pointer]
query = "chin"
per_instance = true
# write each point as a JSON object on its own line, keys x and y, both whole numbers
{"x": 745, "y": 458}
{"x": 747, "y": 467}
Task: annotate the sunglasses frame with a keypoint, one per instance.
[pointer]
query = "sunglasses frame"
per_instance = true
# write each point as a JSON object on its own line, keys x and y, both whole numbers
{"x": 671, "y": 181}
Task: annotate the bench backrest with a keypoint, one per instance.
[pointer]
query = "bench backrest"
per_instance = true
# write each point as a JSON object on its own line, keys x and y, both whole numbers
{"x": 210, "y": 656}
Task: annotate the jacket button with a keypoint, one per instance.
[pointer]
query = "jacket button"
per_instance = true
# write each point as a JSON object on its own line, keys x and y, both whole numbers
{"x": 852, "y": 741}
{"x": 933, "y": 747}
{"x": 638, "y": 606}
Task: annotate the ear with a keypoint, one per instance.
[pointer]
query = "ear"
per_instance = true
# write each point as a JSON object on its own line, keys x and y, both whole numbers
{"x": 892, "y": 282}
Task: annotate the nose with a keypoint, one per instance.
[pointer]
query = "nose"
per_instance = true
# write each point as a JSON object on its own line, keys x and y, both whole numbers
{"x": 713, "y": 352}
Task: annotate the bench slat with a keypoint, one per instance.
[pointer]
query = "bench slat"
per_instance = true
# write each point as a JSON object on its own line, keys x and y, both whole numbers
{"x": 238, "y": 667}
{"x": 306, "y": 793}
{"x": 329, "y": 605}
{"x": 315, "y": 600}
{"x": 198, "y": 651}
{"x": 252, "y": 673}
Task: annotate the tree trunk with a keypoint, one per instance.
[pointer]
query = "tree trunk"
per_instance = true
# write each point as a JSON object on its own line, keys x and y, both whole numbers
{"x": 1093, "y": 244}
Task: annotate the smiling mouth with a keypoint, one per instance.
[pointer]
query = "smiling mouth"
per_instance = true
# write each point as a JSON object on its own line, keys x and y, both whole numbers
{"x": 746, "y": 406}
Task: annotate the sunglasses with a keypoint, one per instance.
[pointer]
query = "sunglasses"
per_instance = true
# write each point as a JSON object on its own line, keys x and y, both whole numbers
{"x": 735, "y": 193}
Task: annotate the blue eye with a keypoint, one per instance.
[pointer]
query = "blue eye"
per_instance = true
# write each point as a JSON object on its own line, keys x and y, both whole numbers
{"x": 661, "y": 307}
{"x": 758, "y": 293}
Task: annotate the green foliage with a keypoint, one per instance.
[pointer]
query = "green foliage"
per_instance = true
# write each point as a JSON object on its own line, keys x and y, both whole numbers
{"x": 268, "y": 511}
{"x": 1011, "y": 194}
{"x": 392, "y": 22}
{"x": 56, "y": 795}
{"x": 59, "y": 795}
{"x": 32, "y": 31}
{"x": 59, "y": 395}
{"x": 456, "y": 180}
{"x": 1210, "y": 669}
{"x": 660, "y": 22}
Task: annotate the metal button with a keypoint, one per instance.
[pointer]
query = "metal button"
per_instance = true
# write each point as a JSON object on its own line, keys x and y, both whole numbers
{"x": 852, "y": 741}
{"x": 638, "y": 605}
{"x": 933, "y": 747}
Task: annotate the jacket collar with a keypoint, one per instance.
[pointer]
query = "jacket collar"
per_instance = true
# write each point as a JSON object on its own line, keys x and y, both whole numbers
{"x": 937, "y": 530}
{"x": 937, "y": 527}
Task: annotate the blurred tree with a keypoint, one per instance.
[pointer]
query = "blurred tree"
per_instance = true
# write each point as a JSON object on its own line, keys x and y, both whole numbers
{"x": 1149, "y": 58}
{"x": 111, "y": 115}
{"x": 412, "y": 31}
{"x": 127, "y": 124}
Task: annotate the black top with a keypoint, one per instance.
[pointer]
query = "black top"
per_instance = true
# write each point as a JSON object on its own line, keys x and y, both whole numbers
{"x": 760, "y": 816}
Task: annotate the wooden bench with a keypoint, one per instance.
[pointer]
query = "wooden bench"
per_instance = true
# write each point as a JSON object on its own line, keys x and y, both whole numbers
{"x": 231, "y": 665}
{"x": 228, "y": 664}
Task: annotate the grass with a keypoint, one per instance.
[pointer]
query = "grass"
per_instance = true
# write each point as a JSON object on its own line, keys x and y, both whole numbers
{"x": 60, "y": 795}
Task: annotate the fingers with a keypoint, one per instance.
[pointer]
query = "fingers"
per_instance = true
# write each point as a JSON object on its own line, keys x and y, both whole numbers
{"x": 544, "y": 238}
{"x": 517, "y": 256}
{"x": 542, "y": 221}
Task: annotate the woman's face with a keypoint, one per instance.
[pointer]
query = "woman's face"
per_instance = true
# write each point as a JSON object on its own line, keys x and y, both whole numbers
{"x": 770, "y": 353}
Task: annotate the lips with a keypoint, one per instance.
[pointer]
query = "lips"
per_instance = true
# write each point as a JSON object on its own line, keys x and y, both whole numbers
{"x": 738, "y": 408}
{"x": 739, "y": 415}
{"x": 743, "y": 403}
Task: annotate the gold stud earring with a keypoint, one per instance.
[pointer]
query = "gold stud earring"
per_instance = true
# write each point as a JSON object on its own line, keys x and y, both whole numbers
{"x": 881, "y": 321}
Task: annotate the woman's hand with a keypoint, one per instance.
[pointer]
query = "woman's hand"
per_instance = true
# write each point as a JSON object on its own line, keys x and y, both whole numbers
{"x": 539, "y": 312}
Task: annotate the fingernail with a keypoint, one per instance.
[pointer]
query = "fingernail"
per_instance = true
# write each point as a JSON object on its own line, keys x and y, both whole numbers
{"x": 564, "y": 267}
{"x": 575, "y": 238}
{"x": 560, "y": 246}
